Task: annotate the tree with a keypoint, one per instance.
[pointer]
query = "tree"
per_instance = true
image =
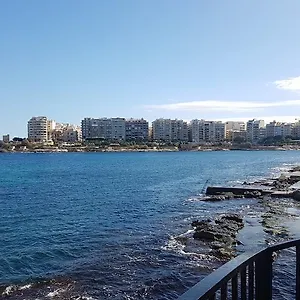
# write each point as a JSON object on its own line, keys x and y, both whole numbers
{"x": 239, "y": 140}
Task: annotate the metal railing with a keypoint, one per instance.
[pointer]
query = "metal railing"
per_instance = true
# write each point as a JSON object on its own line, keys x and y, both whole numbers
{"x": 246, "y": 277}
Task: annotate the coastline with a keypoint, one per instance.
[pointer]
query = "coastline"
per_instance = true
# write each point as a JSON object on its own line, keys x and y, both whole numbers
{"x": 126, "y": 149}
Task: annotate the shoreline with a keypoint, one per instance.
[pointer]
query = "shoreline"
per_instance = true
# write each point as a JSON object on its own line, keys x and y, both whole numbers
{"x": 220, "y": 237}
{"x": 126, "y": 150}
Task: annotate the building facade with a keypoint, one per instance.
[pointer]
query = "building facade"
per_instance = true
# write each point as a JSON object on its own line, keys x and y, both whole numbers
{"x": 103, "y": 128}
{"x": 168, "y": 130}
{"x": 255, "y": 130}
{"x": 206, "y": 131}
{"x": 38, "y": 129}
{"x": 66, "y": 133}
{"x": 136, "y": 130}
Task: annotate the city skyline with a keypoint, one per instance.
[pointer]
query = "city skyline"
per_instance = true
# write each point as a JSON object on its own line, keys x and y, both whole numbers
{"x": 216, "y": 61}
{"x": 244, "y": 120}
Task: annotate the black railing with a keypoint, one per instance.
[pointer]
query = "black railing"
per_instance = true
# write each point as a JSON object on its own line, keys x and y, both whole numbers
{"x": 246, "y": 277}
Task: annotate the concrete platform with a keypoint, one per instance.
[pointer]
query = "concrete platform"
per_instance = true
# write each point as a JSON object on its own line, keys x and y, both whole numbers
{"x": 217, "y": 190}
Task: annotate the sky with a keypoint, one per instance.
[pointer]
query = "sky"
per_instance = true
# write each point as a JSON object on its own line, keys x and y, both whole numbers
{"x": 214, "y": 60}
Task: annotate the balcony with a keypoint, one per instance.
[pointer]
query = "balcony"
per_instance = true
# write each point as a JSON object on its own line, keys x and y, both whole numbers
{"x": 246, "y": 277}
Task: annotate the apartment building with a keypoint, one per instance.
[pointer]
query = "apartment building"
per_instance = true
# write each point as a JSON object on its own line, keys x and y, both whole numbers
{"x": 103, "y": 128}
{"x": 233, "y": 126}
{"x": 255, "y": 130}
{"x": 295, "y": 132}
{"x": 136, "y": 130}
{"x": 278, "y": 129}
{"x": 38, "y": 129}
{"x": 206, "y": 131}
{"x": 67, "y": 133}
{"x": 170, "y": 130}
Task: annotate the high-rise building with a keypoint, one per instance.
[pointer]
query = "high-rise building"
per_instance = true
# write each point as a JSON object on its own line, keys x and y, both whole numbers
{"x": 255, "y": 130}
{"x": 206, "y": 131}
{"x": 274, "y": 129}
{"x": 170, "y": 130}
{"x": 38, "y": 129}
{"x": 136, "y": 130}
{"x": 103, "y": 128}
{"x": 295, "y": 131}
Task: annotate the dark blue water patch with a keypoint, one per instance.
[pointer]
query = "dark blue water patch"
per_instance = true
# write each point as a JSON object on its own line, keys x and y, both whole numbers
{"x": 102, "y": 221}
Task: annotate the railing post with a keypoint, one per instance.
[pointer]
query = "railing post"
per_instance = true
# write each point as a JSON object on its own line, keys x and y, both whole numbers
{"x": 263, "y": 275}
{"x": 297, "y": 272}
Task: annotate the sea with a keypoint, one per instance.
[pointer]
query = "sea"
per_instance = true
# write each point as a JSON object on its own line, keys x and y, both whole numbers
{"x": 108, "y": 225}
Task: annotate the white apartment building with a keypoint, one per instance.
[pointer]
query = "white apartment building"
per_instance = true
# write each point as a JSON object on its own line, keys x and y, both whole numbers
{"x": 103, "y": 128}
{"x": 235, "y": 125}
{"x": 38, "y": 129}
{"x": 170, "y": 130}
{"x": 66, "y": 133}
{"x": 255, "y": 130}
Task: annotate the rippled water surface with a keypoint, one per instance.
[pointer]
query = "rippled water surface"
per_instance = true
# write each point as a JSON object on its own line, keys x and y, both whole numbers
{"x": 102, "y": 225}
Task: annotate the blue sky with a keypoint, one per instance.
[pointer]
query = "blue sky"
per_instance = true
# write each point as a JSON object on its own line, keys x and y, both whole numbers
{"x": 218, "y": 60}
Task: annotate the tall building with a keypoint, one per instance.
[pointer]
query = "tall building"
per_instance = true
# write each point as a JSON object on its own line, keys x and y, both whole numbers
{"x": 103, "y": 128}
{"x": 255, "y": 130}
{"x": 295, "y": 132}
{"x": 38, "y": 129}
{"x": 170, "y": 130}
{"x": 206, "y": 131}
{"x": 274, "y": 129}
{"x": 136, "y": 129}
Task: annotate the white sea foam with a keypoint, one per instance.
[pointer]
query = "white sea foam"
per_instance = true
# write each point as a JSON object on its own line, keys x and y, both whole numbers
{"x": 9, "y": 290}
{"x": 53, "y": 294}
{"x": 25, "y": 287}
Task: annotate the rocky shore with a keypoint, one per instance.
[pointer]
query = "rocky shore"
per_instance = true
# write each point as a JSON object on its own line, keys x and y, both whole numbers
{"x": 218, "y": 236}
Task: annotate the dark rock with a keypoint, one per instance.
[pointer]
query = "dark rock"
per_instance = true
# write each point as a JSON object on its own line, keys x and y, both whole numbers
{"x": 296, "y": 195}
{"x": 216, "y": 245}
{"x": 252, "y": 194}
{"x": 295, "y": 169}
{"x": 204, "y": 235}
{"x": 220, "y": 235}
{"x": 232, "y": 217}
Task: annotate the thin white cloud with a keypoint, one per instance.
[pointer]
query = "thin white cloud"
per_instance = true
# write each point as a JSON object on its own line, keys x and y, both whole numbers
{"x": 224, "y": 106}
{"x": 267, "y": 119}
{"x": 290, "y": 84}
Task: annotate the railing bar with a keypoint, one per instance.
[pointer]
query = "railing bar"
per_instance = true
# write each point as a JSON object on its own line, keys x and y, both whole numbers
{"x": 243, "y": 285}
{"x": 224, "y": 292}
{"x": 297, "y": 272}
{"x": 258, "y": 276}
{"x": 263, "y": 275}
{"x": 213, "y": 297}
{"x": 234, "y": 284}
{"x": 251, "y": 281}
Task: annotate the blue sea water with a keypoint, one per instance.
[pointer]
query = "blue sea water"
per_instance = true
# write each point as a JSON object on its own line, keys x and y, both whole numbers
{"x": 101, "y": 225}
